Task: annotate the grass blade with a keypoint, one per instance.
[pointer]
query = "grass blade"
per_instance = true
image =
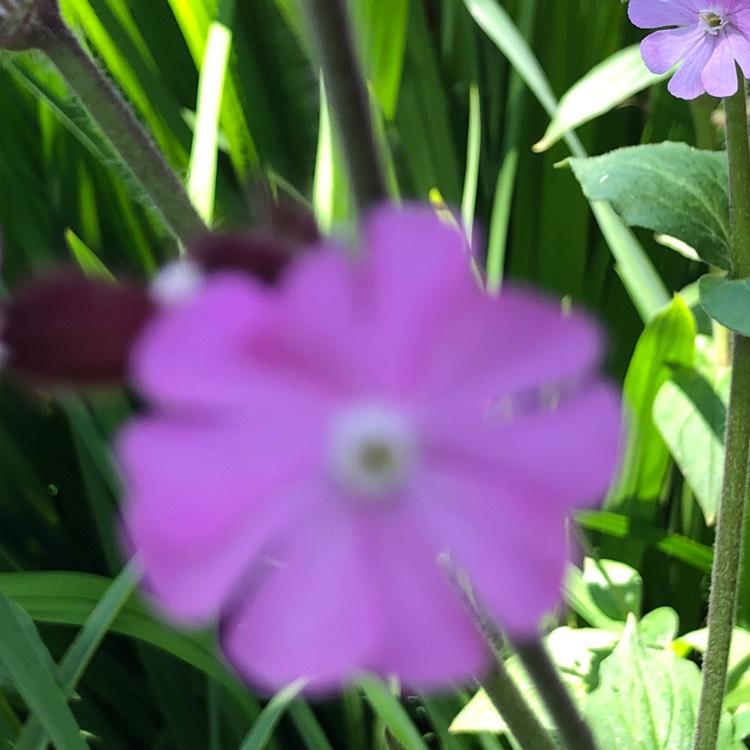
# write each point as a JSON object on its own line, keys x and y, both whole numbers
{"x": 26, "y": 659}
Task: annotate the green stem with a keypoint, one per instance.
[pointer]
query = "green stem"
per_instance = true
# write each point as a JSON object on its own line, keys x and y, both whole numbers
{"x": 332, "y": 38}
{"x": 125, "y": 133}
{"x": 509, "y": 701}
{"x": 706, "y": 134}
{"x": 730, "y": 523}
{"x": 503, "y": 690}
{"x": 573, "y": 732}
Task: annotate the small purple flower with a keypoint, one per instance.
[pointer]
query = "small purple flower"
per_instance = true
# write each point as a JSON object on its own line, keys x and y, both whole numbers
{"x": 320, "y": 452}
{"x": 710, "y": 38}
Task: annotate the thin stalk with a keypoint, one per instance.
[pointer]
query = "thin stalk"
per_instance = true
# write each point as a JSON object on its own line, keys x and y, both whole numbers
{"x": 730, "y": 523}
{"x": 333, "y": 42}
{"x": 129, "y": 138}
{"x": 503, "y": 690}
{"x": 509, "y": 701}
{"x": 573, "y": 732}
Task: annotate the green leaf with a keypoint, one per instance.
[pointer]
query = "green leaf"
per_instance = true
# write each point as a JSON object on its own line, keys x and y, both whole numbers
{"x": 659, "y": 627}
{"x": 381, "y": 26}
{"x": 211, "y": 86}
{"x": 577, "y": 653}
{"x": 88, "y": 261}
{"x": 738, "y": 675}
{"x": 691, "y": 416}
{"x": 392, "y": 713}
{"x": 70, "y": 599}
{"x": 618, "y": 526}
{"x": 727, "y": 301}
{"x": 258, "y": 737}
{"x": 480, "y": 715}
{"x": 579, "y": 599}
{"x": 645, "y": 287}
{"x": 615, "y": 588}
{"x": 647, "y": 699}
{"x": 667, "y": 342}
{"x": 602, "y": 88}
{"x": 27, "y": 661}
{"x": 79, "y": 655}
{"x": 670, "y": 188}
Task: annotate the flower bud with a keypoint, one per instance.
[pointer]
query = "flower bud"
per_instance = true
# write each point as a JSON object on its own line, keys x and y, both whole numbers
{"x": 284, "y": 231}
{"x": 291, "y": 221}
{"x": 260, "y": 254}
{"x": 65, "y": 328}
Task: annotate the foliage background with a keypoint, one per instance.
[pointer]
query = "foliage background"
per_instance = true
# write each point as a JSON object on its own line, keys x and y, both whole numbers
{"x": 455, "y": 116}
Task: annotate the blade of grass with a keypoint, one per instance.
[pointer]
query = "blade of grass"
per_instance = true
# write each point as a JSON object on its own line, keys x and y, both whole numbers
{"x": 70, "y": 598}
{"x": 506, "y": 178}
{"x": 646, "y": 289}
{"x": 76, "y": 659}
{"x": 388, "y": 708}
{"x": 308, "y": 726}
{"x": 471, "y": 175}
{"x": 26, "y": 659}
{"x": 202, "y": 171}
{"x": 257, "y": 738}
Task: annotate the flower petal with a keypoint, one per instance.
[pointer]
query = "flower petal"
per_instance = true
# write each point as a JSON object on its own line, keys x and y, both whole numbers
{"x": 741, "y": 21}
{"x": 195, "y": 353}
{"x": 320, "y": 326}
{"x": 662, "y": 50}
{"x": 312, "y": 615}
{"x": 514, "y": 553}
{"x": 203, "y": 502}
{"x": 419, "y": 274}
{"x": 687, "y": 83}
{"x": 430, "y": 639}
{"x": 651, "y": 14}
{"x": 568, "y": 455}
{"x": 719, "y": 75}
{"x": 515, "y": 344}
{"x": 554, "y": 458}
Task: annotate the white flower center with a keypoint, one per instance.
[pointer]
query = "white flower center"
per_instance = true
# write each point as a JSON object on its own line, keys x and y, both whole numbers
{"x": 372, "y": 450}
{"x": 711, "y": 22}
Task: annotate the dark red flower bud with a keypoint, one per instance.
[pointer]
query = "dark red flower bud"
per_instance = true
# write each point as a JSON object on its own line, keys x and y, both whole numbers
{"x": 293, "y": 222}
{"x": 258, "y": 253}
{"x": 281, "y": 232}
{"x": 65, "y": 328}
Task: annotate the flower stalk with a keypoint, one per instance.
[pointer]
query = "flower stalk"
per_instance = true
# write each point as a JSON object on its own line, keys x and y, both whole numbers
{"x": 503, "y": 691}
{"x": 333, "y": 45}
{"x": 508, "y": 700}
{"x": 730, "y": 523}
{"x": 40, "y": 25}
{"x": 573, "y": 732}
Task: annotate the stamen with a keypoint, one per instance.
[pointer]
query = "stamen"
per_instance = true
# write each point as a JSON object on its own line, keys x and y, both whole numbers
{"x": 711, "y": 22}
{"x": 372, "y": 450}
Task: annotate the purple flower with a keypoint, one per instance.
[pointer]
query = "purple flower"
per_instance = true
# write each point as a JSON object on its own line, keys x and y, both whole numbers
{"x": 321, "y": 452}
{"x": 711, "y": 37}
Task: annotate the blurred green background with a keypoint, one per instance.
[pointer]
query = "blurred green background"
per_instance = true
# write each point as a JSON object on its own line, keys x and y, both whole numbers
{"x": 462, "y": 91}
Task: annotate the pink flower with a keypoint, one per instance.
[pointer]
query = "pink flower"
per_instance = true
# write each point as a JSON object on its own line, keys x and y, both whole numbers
{"x": 317, "y": 450}
{"x": 711, "y": 37}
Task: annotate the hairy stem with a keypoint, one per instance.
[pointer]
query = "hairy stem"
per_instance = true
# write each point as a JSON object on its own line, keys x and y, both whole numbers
{"x": 331, "y": 34}
{"x": 125, "y": 133}
{"x": 573, "y": 732}
{"x": 509, "y": 701}
{"x": 730, "y": 523}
